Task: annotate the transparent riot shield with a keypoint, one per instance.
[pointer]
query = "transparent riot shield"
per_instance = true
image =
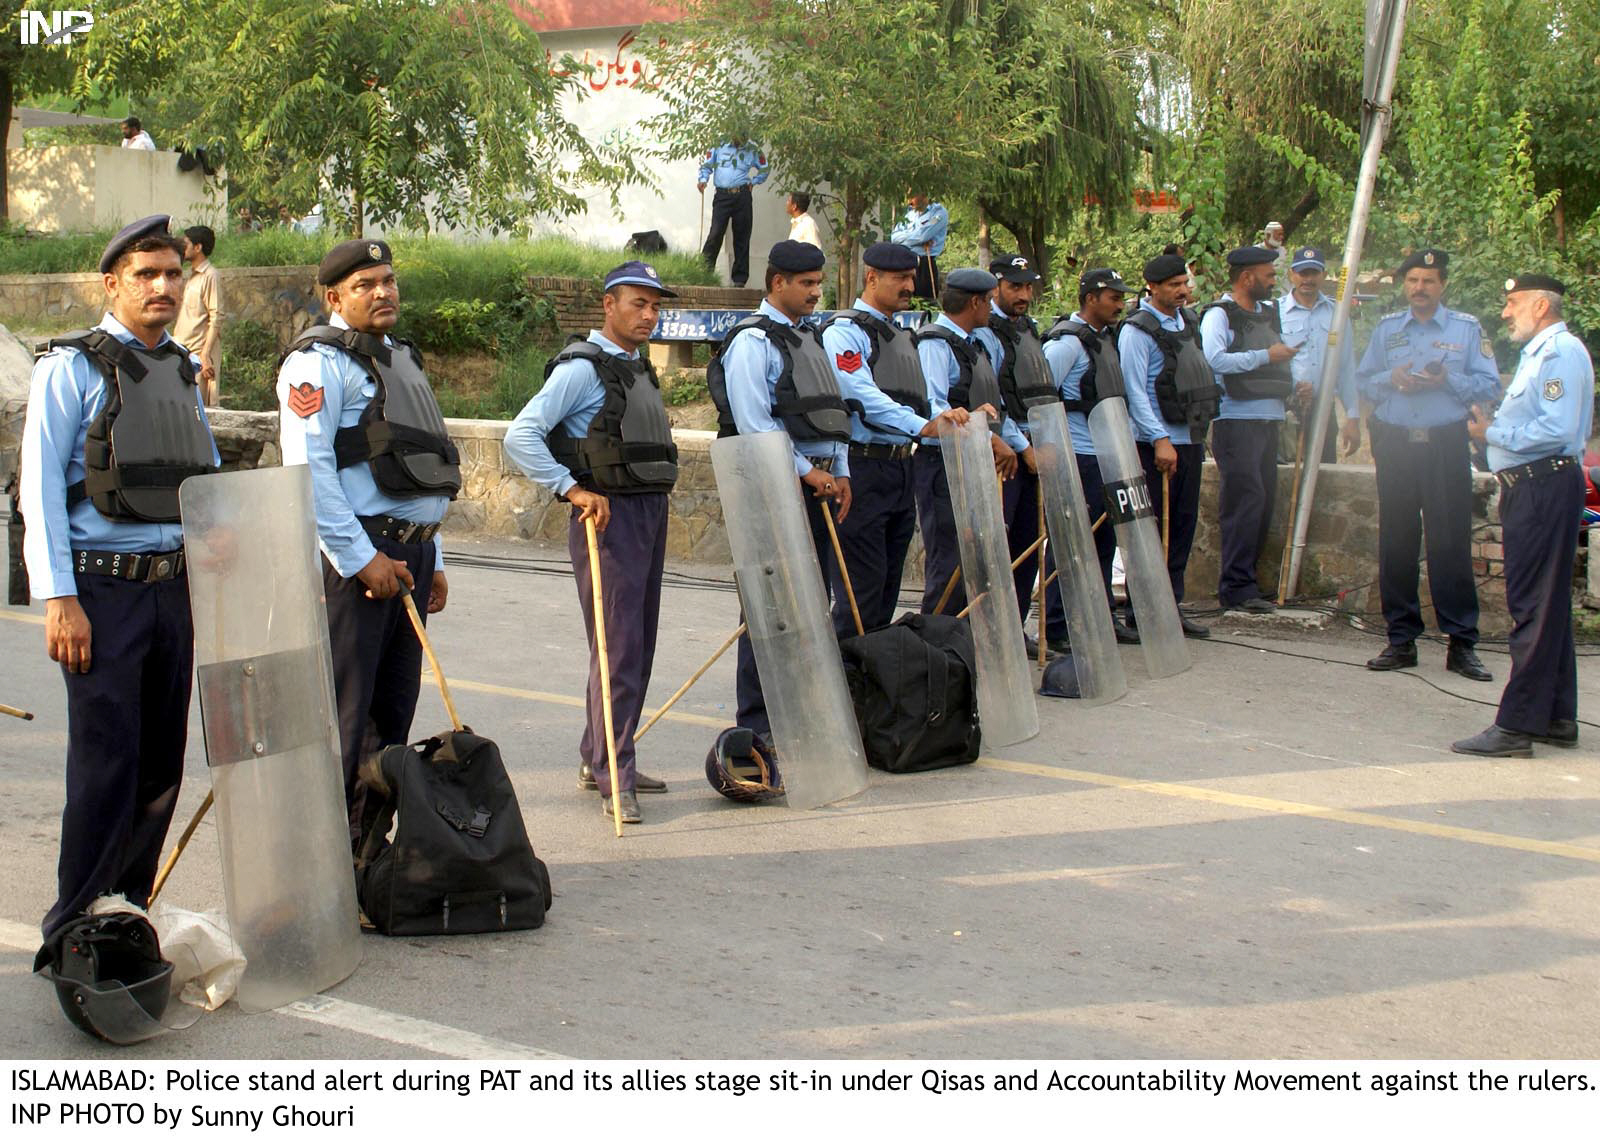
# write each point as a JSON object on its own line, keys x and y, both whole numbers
{"x": 1083, "y": 590}
{"x": 1005, "y": 682}
{"x": 819, "y": 753}
{"x": 1130, "y": 509}
{"x": 265, "y": 677}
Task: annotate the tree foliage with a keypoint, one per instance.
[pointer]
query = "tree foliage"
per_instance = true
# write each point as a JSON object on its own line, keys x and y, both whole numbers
{"x": 26, "y": 71}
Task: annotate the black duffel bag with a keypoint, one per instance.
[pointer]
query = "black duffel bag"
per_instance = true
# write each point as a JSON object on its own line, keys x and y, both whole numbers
{"x": 914, "y": 689}
{"x": 460, "y": 861}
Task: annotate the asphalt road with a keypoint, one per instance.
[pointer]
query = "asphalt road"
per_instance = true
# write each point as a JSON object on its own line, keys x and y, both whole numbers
{"x": 1272, "y": 855}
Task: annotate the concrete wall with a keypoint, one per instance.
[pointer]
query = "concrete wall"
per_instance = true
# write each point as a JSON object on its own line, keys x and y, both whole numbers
{"x": 78, "y": 188}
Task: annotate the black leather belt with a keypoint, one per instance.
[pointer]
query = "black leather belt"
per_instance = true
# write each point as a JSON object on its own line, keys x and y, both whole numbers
{"x": 1531, "y": 471}
{"x": 399, "y": 529}
{"x": 1414, "y": 434}
{"x": 147, "y": 568}
{"x": 887, "y": 451}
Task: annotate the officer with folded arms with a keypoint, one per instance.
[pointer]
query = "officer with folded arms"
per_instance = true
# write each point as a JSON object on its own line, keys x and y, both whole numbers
{"x": 355, "y": 405}
{"x": 1536, "y": 446}
{"x": 115, "y": 423}
{"x": 597, "y": 434}
{"x": 880, "y": 376}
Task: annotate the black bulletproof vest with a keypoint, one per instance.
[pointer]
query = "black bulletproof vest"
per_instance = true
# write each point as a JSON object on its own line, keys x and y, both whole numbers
{"x": 401, "y": 433}
{"x": 807, "y": 400}
{"x": 976, "y": 383}
{"x": 896, "y": 369}
{"x": 1104, "y": 378}
{"x": 1186, "y": 390}
{"x": 1025, "y": 379}
{"x": 148, "y": 437}
{"x": 1253, "y": 331}
{"x": 629, "y": 446}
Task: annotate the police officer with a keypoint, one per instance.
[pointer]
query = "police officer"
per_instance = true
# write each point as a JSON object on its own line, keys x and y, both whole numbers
{"x": 1012, "y": 340}
{"x": 355, "y": 406}
{"x": 774, "y": 374}
{"x": 1172, "y": 396}
{"x": 1306, "y": 313}
{"x": 1423, "y": 369}
{"x": 732, "y": 169}
{"x": 104, "y": 551}
{"x": 1536, "y": 446}
{"x": 1243, "y": 344}
{"x": 958, "y": 373}
{"x": 923, "y": 230}
{"x": 1081, "y": 350}
{"x": 880, "y": 376}
{"x": 600, "y": 396}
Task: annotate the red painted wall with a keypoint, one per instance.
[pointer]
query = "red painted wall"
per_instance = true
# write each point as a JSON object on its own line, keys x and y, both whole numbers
{"x": 569, "y": 15}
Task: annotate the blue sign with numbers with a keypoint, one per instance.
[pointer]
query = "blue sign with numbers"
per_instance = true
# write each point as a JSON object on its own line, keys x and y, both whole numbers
{"x": 713, "y": 324}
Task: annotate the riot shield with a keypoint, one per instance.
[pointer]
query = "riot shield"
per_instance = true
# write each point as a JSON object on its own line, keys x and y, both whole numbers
{"x": 818, "y": 746}
{"x": 265, "y": 677}
{"x": 1129, "y": 508}
{"x": 1083, "y": 590}
{"x": 1005, "y": 682}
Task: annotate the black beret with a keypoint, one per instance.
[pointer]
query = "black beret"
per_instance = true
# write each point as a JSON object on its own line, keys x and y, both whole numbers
{"x": 1425, "y": 258}
{"x": 889, "y": 257}
{"x": 795, "y": 256}
{"x": 1251, "y": 255}
{"x": 1535, "y": 282}
{"x": 1165, "y": 267}
{"x": 348, "y": 256}
{"x": 144, "y": 227}
{"x": 973, "y": 280}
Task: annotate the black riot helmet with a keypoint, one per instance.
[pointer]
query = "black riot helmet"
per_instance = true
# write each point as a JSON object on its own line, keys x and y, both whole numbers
{"x": 741, "y": 768}
{"x": 109, "y": 976}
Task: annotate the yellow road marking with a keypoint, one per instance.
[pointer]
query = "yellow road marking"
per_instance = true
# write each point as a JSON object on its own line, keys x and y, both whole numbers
{"x": 1300, "y": 809}
{"x": 571, "y": 700}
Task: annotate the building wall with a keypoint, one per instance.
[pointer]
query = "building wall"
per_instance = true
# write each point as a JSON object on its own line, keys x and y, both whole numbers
{"x": 78, "y": 188}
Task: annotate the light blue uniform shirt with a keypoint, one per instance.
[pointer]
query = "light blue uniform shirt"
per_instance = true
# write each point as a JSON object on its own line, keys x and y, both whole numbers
{"x": 859, "y": 386}
{"x": 923, "y": 227}
{"x": 1451, "y": 337}
{"x": 1549, "y": 406}
{"x": 1217, "y": 337}
{"x": 568, "y": 402}
{"x": 1069, "y": 363}
{"x": 66, "y": 396}
{"x": 1309, "y": 327}
{"x": 752, "y": 367}
{"x": 341, "y": 496}
{"x": 1142, "y": 360}
{"x": 729, "y": 165}
{"x": 940, "y": 369}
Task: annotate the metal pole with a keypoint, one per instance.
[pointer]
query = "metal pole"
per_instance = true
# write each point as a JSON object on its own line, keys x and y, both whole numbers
{"x": 1366, "y": 183}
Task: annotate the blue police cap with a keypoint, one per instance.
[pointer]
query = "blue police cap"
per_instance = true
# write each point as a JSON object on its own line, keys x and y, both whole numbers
{"x": 1015, "y": 268}
{"x": 639, "y": 273}
{"x": 155, "y": 226}
{"x": 1308, "y": 257}
{"x": 1534, "y": 282}
{"x": 1425, "y": 258}
{"x": 972, "y": 280}
{"x": 889, "y": 257}
{"x": 795, "y": 256}
{"x": 351, "y": 256}
{"x": 1165, "y": 267}
{"x": 1251, "y": 255}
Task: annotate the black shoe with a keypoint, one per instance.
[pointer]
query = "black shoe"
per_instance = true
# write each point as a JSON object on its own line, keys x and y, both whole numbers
{"x": 1561, "y": 732}
{"x": 1059, "y": 645}
{"x": 1395, "y": 657}
{"x": 1257, "y": 604}
{"x": 1195, "y": 631}
{"x": 642, "y": 783}
{"x": 630, "y": 807}
{"x": 1125, "y": 633}
{"x": 1465, "y": 662}
{"x": 1496, "y": 742}
{"x": 1050, "y": 649}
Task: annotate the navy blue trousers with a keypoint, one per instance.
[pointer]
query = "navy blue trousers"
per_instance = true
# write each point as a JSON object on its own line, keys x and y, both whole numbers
{"x": 377, "y": 663}
{"x": 1105, "y": 547}
{"x": 936, "y": 517}
{"x": 1246, "y": 451}
{"x": 1185, "y": 511}
{"x": 1021, "y": 503}
{"x": 633, "y": 551}
{"x": 127, "y": 728}
{"x": 1425, "y": 487}
{"x": 735, "y": 206}
{"x": 751, "y": 709}
{"x": 1540, "y": 523}
{"x": 874, "y": 537}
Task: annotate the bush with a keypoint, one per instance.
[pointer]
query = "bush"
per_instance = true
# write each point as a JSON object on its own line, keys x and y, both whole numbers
{"x": 249, "y": 366}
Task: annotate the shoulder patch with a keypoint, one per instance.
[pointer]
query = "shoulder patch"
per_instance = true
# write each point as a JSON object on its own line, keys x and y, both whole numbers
{"x": 305, "y": 400}
{"x": 1553, "y": 389}
{"x": 1486, "y": 347}
{"x": 848, "y": 361}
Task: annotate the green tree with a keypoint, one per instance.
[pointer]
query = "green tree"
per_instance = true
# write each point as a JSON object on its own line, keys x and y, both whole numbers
{"x": 413, "y": 112}
{"x": 26, "y": 71}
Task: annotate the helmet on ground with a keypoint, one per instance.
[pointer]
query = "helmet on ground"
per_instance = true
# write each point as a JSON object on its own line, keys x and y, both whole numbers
{"x": 740, "y": 767}
{"x": 1061, "y": 678}
{"x": 109, "y": 975}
